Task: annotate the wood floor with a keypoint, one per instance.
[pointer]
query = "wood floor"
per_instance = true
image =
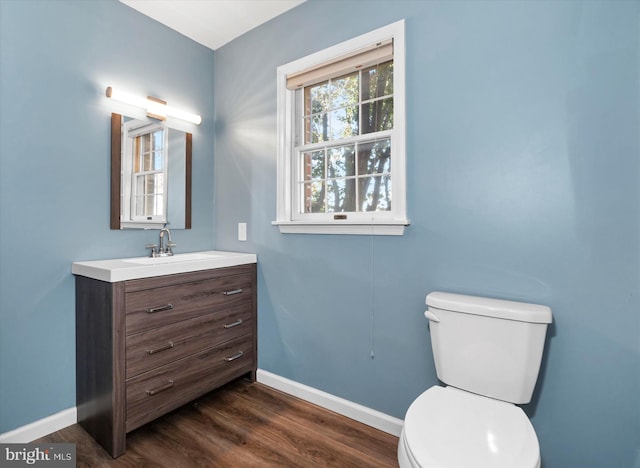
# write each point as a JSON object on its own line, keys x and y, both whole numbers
{"x": 243, "y": 425}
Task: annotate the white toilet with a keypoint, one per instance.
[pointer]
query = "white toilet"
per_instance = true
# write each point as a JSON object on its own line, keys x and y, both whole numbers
{"x": 488, "y": 351}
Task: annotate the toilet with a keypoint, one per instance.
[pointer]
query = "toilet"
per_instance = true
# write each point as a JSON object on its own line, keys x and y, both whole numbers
{"x": 487, "y": 352}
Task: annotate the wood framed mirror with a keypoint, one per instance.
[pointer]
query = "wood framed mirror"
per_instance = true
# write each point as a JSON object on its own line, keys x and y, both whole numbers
{"x": 151, "y": 171}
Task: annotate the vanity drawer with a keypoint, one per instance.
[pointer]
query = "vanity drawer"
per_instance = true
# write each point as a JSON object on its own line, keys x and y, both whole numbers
{"x": 154, "y": 393}
{"x": 159, "y": 346}
{"x": 151, "y": 308}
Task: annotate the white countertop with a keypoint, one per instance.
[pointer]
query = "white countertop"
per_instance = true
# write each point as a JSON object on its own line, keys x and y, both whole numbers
{"x": 122, "y": 269}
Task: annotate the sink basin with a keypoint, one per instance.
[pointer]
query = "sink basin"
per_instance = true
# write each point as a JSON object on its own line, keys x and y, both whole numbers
{"x": 185, "y": 257}
{"x": 123, "y": 269}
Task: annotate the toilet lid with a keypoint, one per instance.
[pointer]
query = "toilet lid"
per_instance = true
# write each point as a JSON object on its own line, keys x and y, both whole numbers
{"x": 447, "y": 427}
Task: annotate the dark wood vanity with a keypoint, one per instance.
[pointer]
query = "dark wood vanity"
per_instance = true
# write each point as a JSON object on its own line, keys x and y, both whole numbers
{"x": 147, "y": 346}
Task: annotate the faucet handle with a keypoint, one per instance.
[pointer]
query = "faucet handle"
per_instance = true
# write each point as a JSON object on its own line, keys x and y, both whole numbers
{"x": 153, "y": 248}
{"x": 170, "y": 245}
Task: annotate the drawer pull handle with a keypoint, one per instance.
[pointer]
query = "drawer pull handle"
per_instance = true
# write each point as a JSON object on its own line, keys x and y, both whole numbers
{"x": 160, "y": 389}
{"x": 239, "y": 354}
{"x": 152, "y": 310}
{"x": 234, "y": 324}
{"x": 232, "y": 292}
{"x": 169, "y": 345}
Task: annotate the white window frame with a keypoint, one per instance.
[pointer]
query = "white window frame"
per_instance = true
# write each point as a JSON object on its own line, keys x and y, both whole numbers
{"x": 130, "y": 130}
{"x": 289, "y": 217}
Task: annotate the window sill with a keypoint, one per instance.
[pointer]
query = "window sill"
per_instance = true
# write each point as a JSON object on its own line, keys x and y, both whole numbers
{"x": 142, "y": 225}
{"x": 365, "y": 229}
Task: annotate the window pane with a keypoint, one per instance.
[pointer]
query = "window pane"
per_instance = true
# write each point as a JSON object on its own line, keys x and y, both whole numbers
{"x": 158, "y": 140}
{"x": 145, "y": 205}
{"x": 158, "y": 182}
{"x": 150, "y": 184}
{"x": 157, "y": 150}
{"x": 314, "y": 197}
{"x": 147, "y": 185}
{"x": 146, "y": 162}
{"x": 317, "y": 98}
{"x": 146, "y": 155}
{"x": 344, "y": 91}
{"x": 377, "y": 115}
{"x": 137, "y": 150}
{"x": 140, "y": 206}
{"x": 376, "y": 192}
{"x": 318, "y": 128}
{"x": 344, "y": 122}
{"x": 377, "y": 81}
{"x": 158, "y": 208}
{"x": 341, "y": 162}
{"x": 140, "y": 185}
{"x": 157, "y": 160}
{"x": 341, "y": 195}
{"x": 313, "y": 167}
{"x": 374, "y": 157}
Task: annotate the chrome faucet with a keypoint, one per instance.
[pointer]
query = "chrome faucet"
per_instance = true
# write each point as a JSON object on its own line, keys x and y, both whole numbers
{"x": 163, "y": 250}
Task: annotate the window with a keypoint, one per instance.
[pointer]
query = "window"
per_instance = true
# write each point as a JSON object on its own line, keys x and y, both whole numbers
{"x": 341, "y": 161}
{"x": 145, "y": 166}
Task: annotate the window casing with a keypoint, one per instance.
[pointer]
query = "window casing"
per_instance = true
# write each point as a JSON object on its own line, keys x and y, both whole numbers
{"x": 144, "y": 200}
{"x": 341, "y": 148}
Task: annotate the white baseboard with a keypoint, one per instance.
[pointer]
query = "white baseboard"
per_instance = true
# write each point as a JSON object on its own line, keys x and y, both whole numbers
{"x": 40, "y": 428}
{"x": 368, "y": 416}
{"x": 347, "y": 408}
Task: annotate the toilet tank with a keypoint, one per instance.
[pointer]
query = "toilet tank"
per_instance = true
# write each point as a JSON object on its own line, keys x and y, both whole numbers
{"x": 486, "y": 346}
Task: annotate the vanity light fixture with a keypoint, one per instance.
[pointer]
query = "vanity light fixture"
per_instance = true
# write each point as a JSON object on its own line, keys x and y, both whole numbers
{"x": 156, "y": 108}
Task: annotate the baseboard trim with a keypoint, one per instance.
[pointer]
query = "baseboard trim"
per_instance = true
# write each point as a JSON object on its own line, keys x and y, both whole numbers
{"x": 347, "y": 408}
{"x": 363, "y": 414}
{"x": 40, "y": 428}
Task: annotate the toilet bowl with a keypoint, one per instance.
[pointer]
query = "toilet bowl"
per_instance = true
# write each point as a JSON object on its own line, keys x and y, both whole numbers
{"x": 488, "y": 353}
{"x": 449, "y": 428}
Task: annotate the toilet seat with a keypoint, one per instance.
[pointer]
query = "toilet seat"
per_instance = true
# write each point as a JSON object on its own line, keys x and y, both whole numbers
{"x": 447, "y": 427}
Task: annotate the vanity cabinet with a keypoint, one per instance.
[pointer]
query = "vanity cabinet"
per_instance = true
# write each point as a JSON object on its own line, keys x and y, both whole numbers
{"x": 147, "y": 346}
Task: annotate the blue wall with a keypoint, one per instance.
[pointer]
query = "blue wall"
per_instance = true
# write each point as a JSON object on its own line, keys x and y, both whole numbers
{"x": 523, "y": 183}
{"x": 57, "y": 58}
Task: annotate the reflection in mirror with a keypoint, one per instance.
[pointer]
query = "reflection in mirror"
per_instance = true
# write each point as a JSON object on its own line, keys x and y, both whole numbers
{"x": 150, "y": 175}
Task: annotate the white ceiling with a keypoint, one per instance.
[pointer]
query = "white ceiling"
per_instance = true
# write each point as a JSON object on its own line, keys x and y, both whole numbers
{"x": 212, "y": 23}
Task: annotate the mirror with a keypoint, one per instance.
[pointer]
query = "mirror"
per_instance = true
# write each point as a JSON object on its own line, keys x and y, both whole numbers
{"x": 150, "y": 174}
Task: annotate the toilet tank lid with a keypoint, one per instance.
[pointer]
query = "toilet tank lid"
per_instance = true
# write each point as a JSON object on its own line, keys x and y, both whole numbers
{"x": 499, "y": 308}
